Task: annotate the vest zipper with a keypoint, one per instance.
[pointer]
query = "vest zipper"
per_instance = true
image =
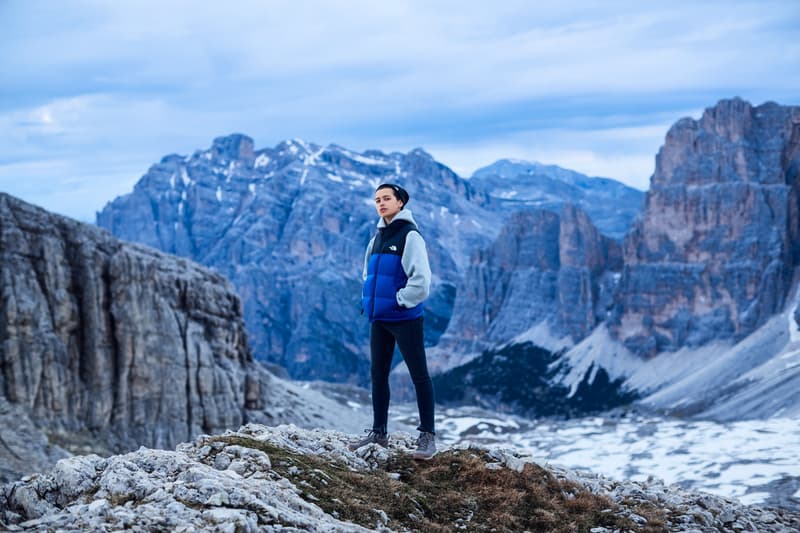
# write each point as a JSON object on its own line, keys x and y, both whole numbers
{"x": 375, "y": 287}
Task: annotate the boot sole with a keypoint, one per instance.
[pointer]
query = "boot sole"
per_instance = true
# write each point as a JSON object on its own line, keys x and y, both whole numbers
{"x": 423, "y": 457}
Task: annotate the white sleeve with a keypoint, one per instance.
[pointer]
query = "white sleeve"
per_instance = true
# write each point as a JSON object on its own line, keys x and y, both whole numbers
{"x": 366, "y": 258}
{"x": 415, "y": 265}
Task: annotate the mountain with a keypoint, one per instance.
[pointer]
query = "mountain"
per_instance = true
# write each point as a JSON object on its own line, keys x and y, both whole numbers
{"x": 106, "y": 346}
{"x": 714, "y": 252}
{"x": 516, "y": 185}
{"x": 547, "y": 277}
{"x": 289, "y": 225}
{"x": 286, "y": 479}
{"x": 697, "y": 312}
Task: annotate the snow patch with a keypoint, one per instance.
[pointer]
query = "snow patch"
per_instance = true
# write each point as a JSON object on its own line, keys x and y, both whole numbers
{"x": 334, "y": 177}
{"x": 185, "y": 177}
{"x": 252, "y": 188}
{"x": 794, "y": 330}
{"x": 541, "y": 335}
{"x": 732, "y": 460}
{"x": 507, "y": 195}
{"x": 219, "y": 193}
{"x": 262, "y": 161}
{"x": 598, "y": 350}
{"x": 172, "y": 181}
{"x": 367, "y": 160}
{"x": 311, "y": 159}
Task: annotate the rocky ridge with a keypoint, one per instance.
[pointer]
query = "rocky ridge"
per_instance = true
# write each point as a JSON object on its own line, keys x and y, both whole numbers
{"x": 263, "y": 478}
{"x": 288, "y": 226}
{"x": 548, "y": 277}
{"x": 516, "y": 185}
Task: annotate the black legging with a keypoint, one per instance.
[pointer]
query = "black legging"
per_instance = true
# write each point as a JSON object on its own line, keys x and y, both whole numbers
{"x": 408, "y": 335}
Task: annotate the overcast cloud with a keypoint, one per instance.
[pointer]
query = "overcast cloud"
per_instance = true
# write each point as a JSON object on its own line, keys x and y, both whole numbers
{"x": 94, "y": 92}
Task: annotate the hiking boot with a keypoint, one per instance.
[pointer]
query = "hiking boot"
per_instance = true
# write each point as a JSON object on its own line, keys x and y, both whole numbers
{"x": 376, "y": 437}
{"x": 426, "y": 446}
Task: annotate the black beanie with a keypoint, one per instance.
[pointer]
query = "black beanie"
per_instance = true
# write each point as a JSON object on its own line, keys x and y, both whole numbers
{"x": 399, "y": 192}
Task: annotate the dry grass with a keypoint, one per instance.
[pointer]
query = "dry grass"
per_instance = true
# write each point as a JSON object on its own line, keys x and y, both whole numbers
{"x": 455, "y": 491}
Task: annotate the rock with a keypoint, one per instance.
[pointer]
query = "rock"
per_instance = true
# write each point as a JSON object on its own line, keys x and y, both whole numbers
{"x": 181, "y": 490}
{"x": 545, "y": 270}
{"x": 108, "y": 346}
{"x": 712, "y": 255}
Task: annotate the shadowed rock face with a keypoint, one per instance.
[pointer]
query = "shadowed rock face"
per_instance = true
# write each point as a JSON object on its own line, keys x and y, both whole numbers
{"x": 115, "y": 343}
{"x": 712, "y": 255}
{"x": 544, "y": 268}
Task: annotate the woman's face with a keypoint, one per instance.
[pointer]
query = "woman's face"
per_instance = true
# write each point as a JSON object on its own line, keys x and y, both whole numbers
{"x": 386, "y": 204}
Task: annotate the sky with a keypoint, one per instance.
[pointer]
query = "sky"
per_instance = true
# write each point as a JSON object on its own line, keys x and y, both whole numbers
{"x": 92, "y": 93}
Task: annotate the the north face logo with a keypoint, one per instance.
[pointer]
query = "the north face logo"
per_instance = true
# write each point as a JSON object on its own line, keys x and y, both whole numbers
{"x": 393, "y": 248}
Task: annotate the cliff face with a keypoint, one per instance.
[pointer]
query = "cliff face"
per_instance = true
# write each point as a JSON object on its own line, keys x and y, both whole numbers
{"x": 544, "y": 269}
{"x": 712, "y": 255}
{"x": 114, "y": 343}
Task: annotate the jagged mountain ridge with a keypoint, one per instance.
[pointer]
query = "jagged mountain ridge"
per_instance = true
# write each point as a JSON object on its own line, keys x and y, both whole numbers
{"x": 515, "y": 184}
{"x": 702, "y": 318}
{"x": 548, "y": 278}
{"x": 288, "y": 225}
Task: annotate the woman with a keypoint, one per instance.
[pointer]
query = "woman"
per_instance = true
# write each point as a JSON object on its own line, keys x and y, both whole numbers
{"x": 397, "y": 279}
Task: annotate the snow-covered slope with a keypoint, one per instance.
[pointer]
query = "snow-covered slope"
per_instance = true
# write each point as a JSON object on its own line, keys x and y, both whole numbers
{"x": 758, "y": 377}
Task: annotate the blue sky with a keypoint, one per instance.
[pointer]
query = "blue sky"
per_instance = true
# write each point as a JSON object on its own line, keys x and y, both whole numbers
{"x": 94, "y": 92}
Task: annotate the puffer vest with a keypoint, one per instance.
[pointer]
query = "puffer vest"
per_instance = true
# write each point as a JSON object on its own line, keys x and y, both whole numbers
{"x": 385, "y": 275}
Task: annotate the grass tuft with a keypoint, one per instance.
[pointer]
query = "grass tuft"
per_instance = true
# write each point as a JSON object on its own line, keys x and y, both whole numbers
{"x": 454, "y": 491}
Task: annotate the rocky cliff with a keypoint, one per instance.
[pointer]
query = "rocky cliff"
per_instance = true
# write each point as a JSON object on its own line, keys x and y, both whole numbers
{"x": 106, "y": 346}
{"x": 548, "y": 277}
{"x": 712, "y": 255}
{"x": 288, "y": 226}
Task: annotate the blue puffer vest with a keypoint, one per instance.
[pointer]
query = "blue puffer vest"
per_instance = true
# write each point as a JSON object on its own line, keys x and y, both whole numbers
{"x": 385, "y": 275}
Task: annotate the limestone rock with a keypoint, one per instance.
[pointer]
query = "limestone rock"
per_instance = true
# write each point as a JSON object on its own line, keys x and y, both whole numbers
{"x": 713, "y": 253}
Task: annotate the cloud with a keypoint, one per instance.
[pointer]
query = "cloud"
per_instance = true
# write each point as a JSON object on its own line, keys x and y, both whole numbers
{"x": 99, "y": 87}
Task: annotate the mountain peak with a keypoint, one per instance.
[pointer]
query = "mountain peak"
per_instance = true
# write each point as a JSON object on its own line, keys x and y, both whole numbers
{"x": 234, "y": 146}
{"x": 420, "y": 152}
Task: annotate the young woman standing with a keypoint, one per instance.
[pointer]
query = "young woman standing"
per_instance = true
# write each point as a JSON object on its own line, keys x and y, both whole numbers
{"x": 397, "y": 279}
